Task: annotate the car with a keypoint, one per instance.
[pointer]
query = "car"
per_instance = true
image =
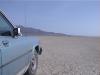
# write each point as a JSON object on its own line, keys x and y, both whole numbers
{"x": 18, "y": 53}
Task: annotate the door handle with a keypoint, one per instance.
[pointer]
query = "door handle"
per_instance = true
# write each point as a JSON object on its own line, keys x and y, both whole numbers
{"x": 5, "y": 43}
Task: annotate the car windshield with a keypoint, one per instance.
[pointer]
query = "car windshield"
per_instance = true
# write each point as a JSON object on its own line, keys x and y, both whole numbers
{"x": 5, "y": 26}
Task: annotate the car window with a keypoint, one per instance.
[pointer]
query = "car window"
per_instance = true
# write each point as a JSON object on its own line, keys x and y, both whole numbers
{"x": 5, "y": 26}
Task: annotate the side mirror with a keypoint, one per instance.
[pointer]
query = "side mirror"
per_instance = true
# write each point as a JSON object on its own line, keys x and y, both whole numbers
{"x": 16, "y": 32}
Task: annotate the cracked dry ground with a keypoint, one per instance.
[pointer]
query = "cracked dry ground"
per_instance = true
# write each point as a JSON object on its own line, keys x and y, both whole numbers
{"x": 69, "y": 56}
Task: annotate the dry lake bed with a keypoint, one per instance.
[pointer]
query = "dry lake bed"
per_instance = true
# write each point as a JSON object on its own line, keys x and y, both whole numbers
{"x": 64, "y": 55}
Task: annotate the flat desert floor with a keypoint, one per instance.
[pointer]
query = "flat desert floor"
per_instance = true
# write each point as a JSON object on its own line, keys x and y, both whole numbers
{"x": 64, "y": 55}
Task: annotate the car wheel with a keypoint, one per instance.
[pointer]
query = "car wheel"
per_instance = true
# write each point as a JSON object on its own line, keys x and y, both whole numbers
{"x": 33, "y": 66}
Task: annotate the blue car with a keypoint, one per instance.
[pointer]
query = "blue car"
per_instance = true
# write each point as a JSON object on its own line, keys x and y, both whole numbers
{"x": 18, "y": 54}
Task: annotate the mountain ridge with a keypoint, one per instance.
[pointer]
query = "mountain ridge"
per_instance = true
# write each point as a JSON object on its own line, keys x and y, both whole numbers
{"x": 33, "y": 31}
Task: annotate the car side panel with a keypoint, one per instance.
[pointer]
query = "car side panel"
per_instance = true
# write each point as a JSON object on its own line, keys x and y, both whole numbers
{"x": 0, "y": 62}
{"x": 14, "y": 67}
{"x": 17, "y": 55}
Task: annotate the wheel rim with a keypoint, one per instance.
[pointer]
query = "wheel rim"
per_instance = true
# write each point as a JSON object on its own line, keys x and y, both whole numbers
{"x": 33, "y": 65}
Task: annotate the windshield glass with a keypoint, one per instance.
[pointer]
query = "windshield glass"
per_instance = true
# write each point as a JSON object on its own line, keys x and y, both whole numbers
{"x": 5, "y": 26}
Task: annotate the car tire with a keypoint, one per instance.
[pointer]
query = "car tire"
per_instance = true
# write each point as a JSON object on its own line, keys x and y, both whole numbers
{"x": 33, "y": 66}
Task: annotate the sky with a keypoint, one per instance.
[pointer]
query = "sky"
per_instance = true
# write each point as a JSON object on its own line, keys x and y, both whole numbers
{"x": 75, "y": 17}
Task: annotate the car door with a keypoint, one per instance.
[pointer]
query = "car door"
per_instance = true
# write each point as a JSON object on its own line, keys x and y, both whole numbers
{"x": 14, "y": 50}
{"x": 0, "y": 62}
{"x": 14, "y": 55}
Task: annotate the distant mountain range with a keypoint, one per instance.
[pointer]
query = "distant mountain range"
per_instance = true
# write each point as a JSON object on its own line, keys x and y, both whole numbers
{"x": 33, "y": 31}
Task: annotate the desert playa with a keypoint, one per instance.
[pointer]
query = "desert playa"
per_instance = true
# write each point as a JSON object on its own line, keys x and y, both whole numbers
{"x": 64, "y": 55}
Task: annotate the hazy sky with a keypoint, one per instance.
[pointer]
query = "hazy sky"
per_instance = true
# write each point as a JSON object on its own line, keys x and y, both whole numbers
{"x": 70, "y": 17}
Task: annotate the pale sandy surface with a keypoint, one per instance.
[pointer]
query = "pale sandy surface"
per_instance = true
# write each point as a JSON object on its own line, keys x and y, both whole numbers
{"x": 69, "y": 56}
